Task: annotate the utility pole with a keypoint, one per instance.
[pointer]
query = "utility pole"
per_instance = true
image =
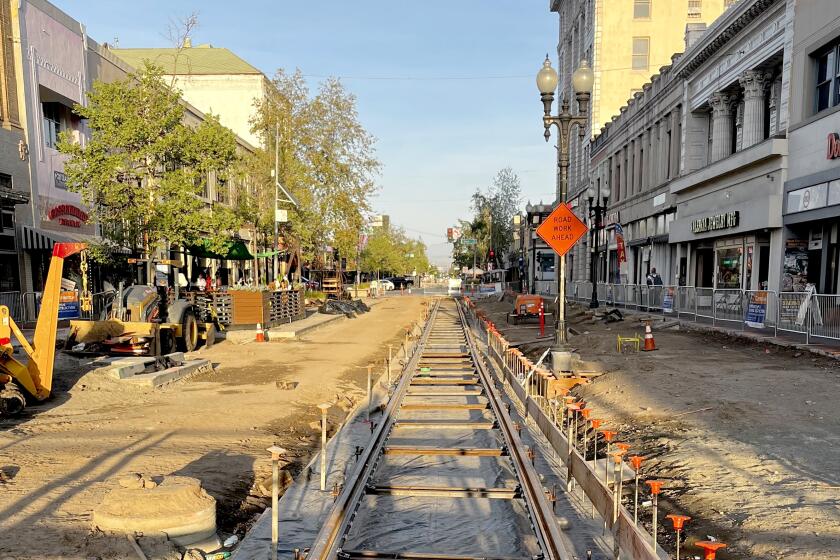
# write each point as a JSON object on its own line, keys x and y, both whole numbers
{"x": 275, "y": 256}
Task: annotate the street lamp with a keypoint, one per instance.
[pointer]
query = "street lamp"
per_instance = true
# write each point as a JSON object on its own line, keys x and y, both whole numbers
{"x": 582, "y": 81}
{"x": 597, "y": 211}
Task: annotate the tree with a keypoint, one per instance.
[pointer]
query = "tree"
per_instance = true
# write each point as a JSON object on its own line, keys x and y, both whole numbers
{"x": 391, "y": 250}
{"x": 143, "y": 171}
{"x": 326, "y": 161}
{"x": 492, "y": 224}
{"x": 494, "y": 211}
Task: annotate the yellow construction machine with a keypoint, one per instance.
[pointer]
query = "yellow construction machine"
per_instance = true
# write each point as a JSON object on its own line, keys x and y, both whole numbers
{"x": 33, "y": 379}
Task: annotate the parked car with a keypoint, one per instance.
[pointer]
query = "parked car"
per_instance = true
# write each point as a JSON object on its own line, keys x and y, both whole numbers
{"x": 387, "y": 284}
{"x": 401, "y": 281}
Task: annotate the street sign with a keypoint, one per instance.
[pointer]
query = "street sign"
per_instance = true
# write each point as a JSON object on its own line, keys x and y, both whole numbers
{"x": 562, "y": 229}
{"x": 468, "y": 241}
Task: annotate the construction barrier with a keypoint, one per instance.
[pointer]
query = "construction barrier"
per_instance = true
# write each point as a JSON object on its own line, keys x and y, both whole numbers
{"x": 541, "y": 398}
{"x": 800, "y": 313}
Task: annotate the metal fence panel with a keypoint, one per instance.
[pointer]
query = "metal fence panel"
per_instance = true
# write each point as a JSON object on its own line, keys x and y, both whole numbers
{"x": 792, "y": 314}
{"x": 12, "y": 301}
{"x": 825, "y": 316}
{"x": 703, "y": 303}
{"x": 684, "y": 300}
{"x": 729, "y": 305}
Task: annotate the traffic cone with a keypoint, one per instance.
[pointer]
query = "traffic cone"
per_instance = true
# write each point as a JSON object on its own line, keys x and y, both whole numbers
{"x": 260, "y": 333}
{"x": 650, "y": 344}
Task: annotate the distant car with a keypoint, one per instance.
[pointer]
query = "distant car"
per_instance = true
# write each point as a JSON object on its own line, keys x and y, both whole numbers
{"x": 401, "y": 281}
{"x": 387, "y": 284}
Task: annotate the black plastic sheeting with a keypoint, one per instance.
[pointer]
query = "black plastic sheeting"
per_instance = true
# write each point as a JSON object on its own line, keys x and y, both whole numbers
{"x": 350, "y": 308}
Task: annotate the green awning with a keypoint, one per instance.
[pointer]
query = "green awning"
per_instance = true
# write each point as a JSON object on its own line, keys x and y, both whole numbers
{"x": 236, "y": 251}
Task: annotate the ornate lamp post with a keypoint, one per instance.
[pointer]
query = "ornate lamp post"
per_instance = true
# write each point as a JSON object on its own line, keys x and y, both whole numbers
{"x": 582, "y": 81}
{"x": 597, "y": 211}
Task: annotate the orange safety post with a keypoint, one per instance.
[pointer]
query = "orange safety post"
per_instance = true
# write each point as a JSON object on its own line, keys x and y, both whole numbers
{"x": 655, "y": 488}
{"x": 710, "y": 548}
{"x": 636, "y": 462}
{"x": 678, "y": 521}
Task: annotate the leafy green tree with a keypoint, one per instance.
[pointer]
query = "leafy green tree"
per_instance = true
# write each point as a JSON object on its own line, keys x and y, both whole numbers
{"x": 143, "y": 171}
{"x": 494, "y": 211}
{"x": 326, "y": 161}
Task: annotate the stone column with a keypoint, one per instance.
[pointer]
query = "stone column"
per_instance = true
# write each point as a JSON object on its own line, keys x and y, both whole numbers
{"x": 721, "y": 104}
{"x": 637, "y": 167}
{"x": 614, "y": 187}
{"x": 644, "y": 181}
{"x": 754, "y": 83}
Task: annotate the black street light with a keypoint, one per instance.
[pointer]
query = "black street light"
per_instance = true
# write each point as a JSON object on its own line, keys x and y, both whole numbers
{"x": 597, "y": 211}
{"x": 582, "y": 81}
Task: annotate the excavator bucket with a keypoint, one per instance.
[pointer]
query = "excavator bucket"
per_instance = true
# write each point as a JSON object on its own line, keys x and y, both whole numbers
{"x": 42, "y": 360}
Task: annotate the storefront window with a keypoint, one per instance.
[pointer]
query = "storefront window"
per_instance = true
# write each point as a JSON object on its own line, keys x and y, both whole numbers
{"x": 729, "y": 268}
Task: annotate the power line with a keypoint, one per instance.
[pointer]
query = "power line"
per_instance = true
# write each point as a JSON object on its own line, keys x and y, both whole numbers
{"x": 421, "y": 78}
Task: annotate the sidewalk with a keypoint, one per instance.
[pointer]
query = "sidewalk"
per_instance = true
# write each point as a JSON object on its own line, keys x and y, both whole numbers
{"x": 313, "y": 320}
{"x": 783, "y": 339}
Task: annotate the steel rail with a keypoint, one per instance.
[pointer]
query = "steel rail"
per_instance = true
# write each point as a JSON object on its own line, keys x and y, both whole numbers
{"x": 327, "y": 542}
{"x": 538, "y": 506}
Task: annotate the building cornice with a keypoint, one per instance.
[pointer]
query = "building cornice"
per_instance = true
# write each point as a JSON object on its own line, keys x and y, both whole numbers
{"x": 721, "y": 32}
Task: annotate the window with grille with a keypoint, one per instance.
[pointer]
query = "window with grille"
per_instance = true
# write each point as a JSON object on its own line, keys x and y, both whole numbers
{"x": 827, "y": 93}
{"x": 641, "y": 9}
{"x": 695, "y": 9}
{"x": 641, "y": 53}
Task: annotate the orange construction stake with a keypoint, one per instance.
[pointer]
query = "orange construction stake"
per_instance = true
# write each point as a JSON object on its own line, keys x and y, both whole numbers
{"x": 636, "y": 462}
{"x": 655, "y": 488}
{"x": 678, "y": 521}
{"x": 710, "y": 548}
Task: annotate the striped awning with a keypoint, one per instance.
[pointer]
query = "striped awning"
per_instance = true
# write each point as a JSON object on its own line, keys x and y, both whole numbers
{"x": 37, "y": 239}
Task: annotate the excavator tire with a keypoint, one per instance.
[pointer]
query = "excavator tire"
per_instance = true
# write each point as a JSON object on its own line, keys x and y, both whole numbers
{"x": 12, "y": 400}
{"x": 189, "y": 330}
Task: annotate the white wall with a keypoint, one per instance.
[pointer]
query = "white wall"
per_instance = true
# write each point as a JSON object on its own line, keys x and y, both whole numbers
{"x": 229, "y": 97}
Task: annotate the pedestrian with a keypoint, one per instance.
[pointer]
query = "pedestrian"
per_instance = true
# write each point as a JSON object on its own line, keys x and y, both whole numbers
{"x": 201, "y": 283}
{"x": 653, "y": 278}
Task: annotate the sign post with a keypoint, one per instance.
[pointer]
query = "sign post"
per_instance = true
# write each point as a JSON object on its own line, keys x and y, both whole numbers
{"x": 561, "y": 230}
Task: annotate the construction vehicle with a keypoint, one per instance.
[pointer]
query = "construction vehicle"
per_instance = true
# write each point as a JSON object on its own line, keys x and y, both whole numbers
{"x": 525, "y": 307}
{"x": 142, "y": 320}
{"x": 33, "y": 379}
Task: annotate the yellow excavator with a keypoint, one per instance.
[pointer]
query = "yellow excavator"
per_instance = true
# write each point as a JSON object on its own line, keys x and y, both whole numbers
{"x": 34, "y": 377}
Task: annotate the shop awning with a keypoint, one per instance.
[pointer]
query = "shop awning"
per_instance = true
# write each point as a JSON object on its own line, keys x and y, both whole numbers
{"x": 37, "y": 239}
{"x": 236, "y": 251}
{"x": 271, "y": 253}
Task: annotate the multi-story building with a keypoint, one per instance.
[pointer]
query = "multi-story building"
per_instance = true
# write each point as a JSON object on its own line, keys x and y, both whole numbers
{"x": 695, "y": 163}
{"x": 636, "y": 156}
{"x": 54, "y": 64}
{"x": 624, "y": 41}
{"x": 812, "y": 190}
{"x": 734, "y": 149}
{"x": 14, "y": 172}
{"x": 212, "y": 79}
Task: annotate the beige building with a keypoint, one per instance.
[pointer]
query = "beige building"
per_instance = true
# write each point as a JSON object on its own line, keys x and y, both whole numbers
{"x": 626, "y": 42}
{"x": 212, "y": 79}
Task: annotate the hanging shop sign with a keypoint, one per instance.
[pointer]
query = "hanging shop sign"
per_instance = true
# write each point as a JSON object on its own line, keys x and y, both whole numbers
{"x": 68, "y": 215}
{"x": 718, "y": 221}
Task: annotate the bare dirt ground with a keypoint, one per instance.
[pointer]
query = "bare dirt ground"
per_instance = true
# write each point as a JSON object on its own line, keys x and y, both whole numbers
{"x": 59, "y": 458}
{"x": 746, "y": 435}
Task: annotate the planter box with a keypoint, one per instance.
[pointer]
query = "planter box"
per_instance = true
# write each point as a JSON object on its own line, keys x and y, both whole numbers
{"x": 249, "y": 308}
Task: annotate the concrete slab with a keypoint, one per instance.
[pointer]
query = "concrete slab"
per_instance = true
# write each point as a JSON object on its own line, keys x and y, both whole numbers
{"x": 158, "y": 378}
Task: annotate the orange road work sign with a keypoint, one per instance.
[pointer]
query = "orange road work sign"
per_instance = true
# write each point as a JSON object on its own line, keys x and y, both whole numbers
{"x": 562, "y": 229}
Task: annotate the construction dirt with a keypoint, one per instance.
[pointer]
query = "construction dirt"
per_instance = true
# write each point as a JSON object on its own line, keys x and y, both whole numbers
{"x": 59, "y": 458}
{"x": 746, "y": 435}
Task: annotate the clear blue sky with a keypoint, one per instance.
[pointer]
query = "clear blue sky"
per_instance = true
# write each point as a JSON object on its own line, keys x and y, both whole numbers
{"x": 438, "y": 139}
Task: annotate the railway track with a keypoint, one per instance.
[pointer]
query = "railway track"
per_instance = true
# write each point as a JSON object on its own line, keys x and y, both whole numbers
{"x": 445, "y": 475}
